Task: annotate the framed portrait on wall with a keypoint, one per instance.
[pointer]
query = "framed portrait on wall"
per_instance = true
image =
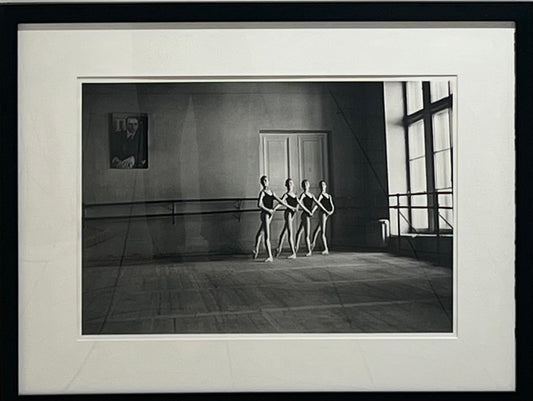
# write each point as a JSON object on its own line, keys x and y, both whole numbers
{"x": 128, "y": 140}
{"x": 123, "y": 301}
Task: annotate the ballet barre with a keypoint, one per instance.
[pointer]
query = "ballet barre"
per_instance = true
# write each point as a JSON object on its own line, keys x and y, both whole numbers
{"x": 167, "y": 208}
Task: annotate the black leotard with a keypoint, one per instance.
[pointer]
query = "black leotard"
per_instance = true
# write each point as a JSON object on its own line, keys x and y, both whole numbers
{"x": 308, "y": 203}
{"x": 292, "y": 201}
{"x": 326, "y": 202}
{"x": 268, "y": 201}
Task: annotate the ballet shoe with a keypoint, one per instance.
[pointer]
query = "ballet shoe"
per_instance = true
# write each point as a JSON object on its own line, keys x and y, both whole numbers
{"x": 308, "y": 254}
{"x": 293, "y": 256}
{"x": 255, "y": 254}
{"x": 270, "y": 259}
{"x": 325, "y": 252}
{"x": 278, "y": 252}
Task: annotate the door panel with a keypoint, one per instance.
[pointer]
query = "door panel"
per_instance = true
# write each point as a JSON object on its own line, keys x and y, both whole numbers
{"x": 312, "y": 163}
{"x": 276, "y": 161}
{"x": 295, "y": 155}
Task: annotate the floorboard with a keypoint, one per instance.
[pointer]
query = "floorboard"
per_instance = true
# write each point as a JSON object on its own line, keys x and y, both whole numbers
{"x": 343, "y": 292}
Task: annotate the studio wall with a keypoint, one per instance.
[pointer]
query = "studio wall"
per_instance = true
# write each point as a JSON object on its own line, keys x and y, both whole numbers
{"x": 203, "y": 141}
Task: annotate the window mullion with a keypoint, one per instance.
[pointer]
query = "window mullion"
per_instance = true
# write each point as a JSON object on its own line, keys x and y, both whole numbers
{"x": 433, "y": 214}
{"x": 435, "y": 107}
{"x": 450, "y": 131}
{"x": 407, "y": 156}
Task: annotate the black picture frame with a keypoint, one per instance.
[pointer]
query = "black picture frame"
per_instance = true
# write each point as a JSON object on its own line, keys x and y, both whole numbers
{"x": 519, "y": 13}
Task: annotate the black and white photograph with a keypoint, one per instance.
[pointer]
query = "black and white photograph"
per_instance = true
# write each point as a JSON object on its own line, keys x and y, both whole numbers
{"x": 268, "y": 207}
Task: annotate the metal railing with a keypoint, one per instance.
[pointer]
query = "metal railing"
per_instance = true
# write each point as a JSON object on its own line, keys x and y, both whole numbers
{"x": 432, "y": 205}
{"x": 167, "y": 208}
{"x": 171, "y": 208}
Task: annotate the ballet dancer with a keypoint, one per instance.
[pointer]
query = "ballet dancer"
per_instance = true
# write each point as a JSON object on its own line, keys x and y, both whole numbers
{"x": 288, "y": 216}
{"x": 266, "y": 204}
{"x": 308, "y": 200}
{"x": 325, "y": 203}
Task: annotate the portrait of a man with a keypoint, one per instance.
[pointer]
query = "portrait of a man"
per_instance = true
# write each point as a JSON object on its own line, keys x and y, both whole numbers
{"x": 128, "y": 141}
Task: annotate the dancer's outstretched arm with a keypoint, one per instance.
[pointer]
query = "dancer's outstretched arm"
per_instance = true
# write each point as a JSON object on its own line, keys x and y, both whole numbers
{"x": 279, "y": 203}
{"x": 299, "y": 199}
{"x": 317, "y": 202}
{"x": 282, "y": 201}
{"x": 332, "y": 205}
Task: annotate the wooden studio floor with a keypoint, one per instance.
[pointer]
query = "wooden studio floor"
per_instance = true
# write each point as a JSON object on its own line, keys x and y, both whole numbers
{"x": 340, "y": 293}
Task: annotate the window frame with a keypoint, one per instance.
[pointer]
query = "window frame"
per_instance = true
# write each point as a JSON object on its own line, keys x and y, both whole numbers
{"x": 425, "y": 114}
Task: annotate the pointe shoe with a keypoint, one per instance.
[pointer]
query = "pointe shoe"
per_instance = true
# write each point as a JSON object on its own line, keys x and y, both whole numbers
{"x": 325, "y": 252}
{"x": 255, "y": 254}
{"x": 293, "y": 256}
{"x": 278, "y": 252}
{"x": 270, "y": 259}
{"x": 308, "y": 254}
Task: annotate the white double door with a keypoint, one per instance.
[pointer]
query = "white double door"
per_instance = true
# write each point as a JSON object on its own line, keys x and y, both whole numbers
{"x": 296, "y": 155}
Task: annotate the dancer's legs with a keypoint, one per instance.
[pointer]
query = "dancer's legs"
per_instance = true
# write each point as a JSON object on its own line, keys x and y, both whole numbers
{"x": 315, "y": 235}
{"x": 299, "y": 233}
{"x": 307, "y": 229}
{"x": 323, "y": 221}
{"x": 290, "y": 233}
{"x": 282, "y": 237}
{"x": 266, "y": 227}
{"x": 258, "y": 237}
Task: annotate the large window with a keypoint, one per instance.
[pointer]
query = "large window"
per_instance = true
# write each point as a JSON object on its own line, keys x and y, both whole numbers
{"x": 429, "y": 148}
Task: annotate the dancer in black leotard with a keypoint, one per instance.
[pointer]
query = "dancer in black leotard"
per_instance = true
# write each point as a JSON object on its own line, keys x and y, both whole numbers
{"x": 266, "y": 204}
{"x": 292, "y": 200}
{"x": 307, "y": 199}
{"x": 325, "y": 203}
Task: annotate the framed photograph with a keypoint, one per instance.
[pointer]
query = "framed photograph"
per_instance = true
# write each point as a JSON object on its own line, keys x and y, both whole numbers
{"x": 128, "y": 141}
{"x": 265, "y": 202}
